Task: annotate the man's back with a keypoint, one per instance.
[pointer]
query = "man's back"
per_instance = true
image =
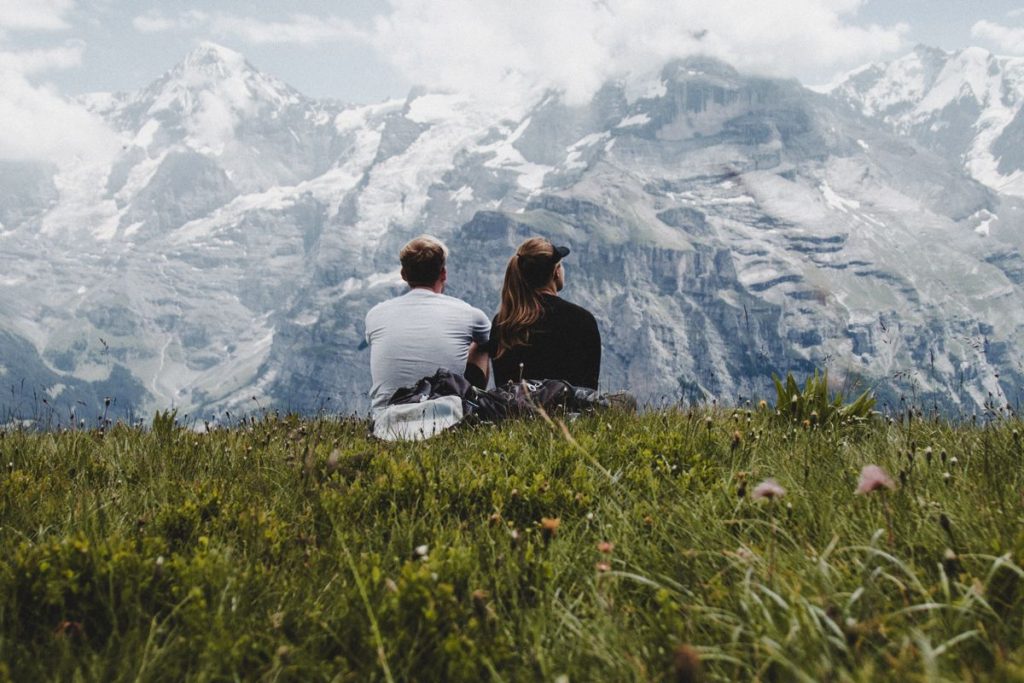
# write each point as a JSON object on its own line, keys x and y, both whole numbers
{"x": 413, "y": 335}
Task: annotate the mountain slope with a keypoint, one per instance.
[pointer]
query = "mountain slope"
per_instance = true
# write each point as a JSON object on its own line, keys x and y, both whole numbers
{"x": 965, "y": 105}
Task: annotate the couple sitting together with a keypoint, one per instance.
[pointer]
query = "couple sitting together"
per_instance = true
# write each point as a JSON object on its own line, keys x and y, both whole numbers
{"x": 535, "y": 335}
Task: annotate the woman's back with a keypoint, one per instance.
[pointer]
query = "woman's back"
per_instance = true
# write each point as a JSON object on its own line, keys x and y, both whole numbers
{"x": 564, "y": 343}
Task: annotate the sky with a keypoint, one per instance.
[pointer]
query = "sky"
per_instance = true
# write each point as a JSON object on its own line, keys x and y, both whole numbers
{"x": 364, "y": 51}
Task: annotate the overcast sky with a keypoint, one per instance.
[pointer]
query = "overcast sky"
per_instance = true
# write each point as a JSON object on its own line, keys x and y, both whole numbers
{"x": 369, "y": 50}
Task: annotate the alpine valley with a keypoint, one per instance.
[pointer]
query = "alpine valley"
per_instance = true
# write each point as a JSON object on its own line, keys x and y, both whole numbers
{"x": 723, "y": 227}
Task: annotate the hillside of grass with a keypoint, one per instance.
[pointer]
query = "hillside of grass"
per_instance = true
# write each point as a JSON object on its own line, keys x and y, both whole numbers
{"x": 620, "y": 547}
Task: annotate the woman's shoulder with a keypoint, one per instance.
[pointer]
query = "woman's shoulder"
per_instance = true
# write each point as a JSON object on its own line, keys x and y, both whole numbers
{"x": 562, "y": 308}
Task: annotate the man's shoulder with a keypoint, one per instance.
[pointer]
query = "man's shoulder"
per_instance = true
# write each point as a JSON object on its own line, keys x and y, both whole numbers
{"x": 383, "y": 307}
{"x": 399, "y": 304}
{"x": 453, "y": 301}
{"x": 456, "y": 303}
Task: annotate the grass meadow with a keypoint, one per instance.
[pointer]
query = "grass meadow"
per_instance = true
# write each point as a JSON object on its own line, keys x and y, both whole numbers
{"x": 613, "y": 547}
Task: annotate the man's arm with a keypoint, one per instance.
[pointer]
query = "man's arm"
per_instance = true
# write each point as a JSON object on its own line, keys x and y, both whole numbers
{"x": 477, "y": 366}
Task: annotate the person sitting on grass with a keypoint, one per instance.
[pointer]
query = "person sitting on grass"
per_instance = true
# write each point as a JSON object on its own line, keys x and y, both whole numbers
{"x": 413, "y": 335}
{"x": 536, "y": 334}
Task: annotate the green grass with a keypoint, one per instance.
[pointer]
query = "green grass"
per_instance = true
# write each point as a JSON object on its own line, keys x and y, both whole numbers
{"x": 283, "y": 549}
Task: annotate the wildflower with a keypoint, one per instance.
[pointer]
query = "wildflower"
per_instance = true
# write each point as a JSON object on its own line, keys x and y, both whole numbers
{"x": 928, "y": 455}
{"x": 946, "y": 477}
{"x": 422, "y": 550}
{"x": 549, "y": 527}
{"x": 950, "y": 562}
{"x": 873, "y": 478}
{"x": 769, "y": 489}
{"x": 806, "y": 424}
{"x": 602, "y": 567}
{"x": 686, "y": 664}
{"x": 737, "y": 439}
{"x": 605, "y": 547}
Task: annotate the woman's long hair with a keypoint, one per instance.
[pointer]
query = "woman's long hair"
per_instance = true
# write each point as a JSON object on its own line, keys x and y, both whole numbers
{"x": 521, "y": 304}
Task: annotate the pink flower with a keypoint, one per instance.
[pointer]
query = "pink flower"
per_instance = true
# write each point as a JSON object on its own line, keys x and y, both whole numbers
{"x": 769, "y": 489}
{"x": 872, "y": 478}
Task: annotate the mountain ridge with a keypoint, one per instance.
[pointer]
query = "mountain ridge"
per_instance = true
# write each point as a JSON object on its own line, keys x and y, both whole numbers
{"x": 723, "y": 227}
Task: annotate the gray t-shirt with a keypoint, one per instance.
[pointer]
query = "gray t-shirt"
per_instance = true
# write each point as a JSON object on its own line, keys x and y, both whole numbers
{"x": 413, "y": 335}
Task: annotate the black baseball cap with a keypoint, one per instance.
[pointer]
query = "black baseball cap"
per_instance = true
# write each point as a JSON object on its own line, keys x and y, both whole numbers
{"x": 537, "y": 269}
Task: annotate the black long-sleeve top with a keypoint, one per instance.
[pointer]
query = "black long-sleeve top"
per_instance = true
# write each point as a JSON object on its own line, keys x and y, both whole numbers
{"x": 563, "y": 344}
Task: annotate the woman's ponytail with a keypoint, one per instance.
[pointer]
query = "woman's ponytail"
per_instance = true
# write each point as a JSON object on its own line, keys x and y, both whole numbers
{"x": 521, "y": 303}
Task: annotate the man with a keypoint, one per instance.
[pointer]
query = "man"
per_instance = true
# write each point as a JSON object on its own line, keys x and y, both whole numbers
{"x": 537, "y": 334}
{"x": 415, "y": 334}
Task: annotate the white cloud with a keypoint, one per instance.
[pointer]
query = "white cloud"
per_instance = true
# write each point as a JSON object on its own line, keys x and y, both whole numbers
{"x": 576, "y": 45}
{"x": 1003, "y": 38}
{"x": 298, "y": 29}
{"x": 495, "y": 46}
{"x": 39, "y": 123}
{"x": 153, "y": 22}
{"x": 36, "y": 61}
{"x": 42, "y": 15}
{"x": 157, "y": 22}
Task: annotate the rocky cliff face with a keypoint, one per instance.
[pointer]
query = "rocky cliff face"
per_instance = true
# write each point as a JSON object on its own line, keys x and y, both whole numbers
{"x": 722, "y": 228}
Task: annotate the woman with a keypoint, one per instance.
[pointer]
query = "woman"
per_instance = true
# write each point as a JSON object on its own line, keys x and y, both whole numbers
{"x": 536, "y": 334}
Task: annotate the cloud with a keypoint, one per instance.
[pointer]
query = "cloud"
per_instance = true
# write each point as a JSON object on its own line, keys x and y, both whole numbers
{"x": 297, "y": 29}
{"x": 28, "y": 62}
{"x": 40, "y": 124}
{"x": 157, "y": 22}
{"x": 1003, "y": 38}
{"x": 153, "y": 23}
{"x": 576, "y": 45}
{"x": 37, "y": 122}
{"x": 494, "y": 46}
{"x": 37, "y": 15}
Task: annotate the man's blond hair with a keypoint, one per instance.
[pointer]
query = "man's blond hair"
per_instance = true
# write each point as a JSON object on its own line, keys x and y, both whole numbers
{"x": 423, "y": 258}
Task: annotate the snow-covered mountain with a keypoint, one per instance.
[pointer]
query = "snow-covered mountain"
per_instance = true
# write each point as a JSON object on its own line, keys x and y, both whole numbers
{"x": 723, "y": 227}
{"x": 965, "y": 105}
